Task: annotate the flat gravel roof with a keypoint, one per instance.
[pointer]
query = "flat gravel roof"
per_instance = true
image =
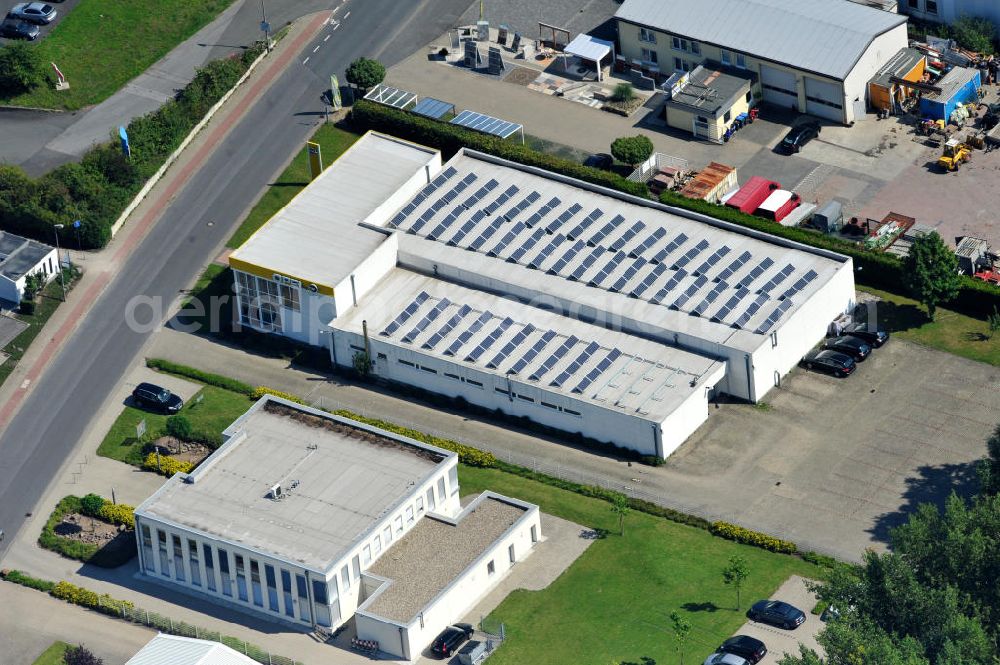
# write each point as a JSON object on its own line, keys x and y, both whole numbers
{"x": 435, "y": 553}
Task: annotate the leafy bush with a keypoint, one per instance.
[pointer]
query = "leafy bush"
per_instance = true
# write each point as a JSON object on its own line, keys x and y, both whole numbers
{"x": 27, "y": 307}
{"x": 78, "y": 595}
{"x": 623, "y": 92}
{"x": 91, "y": 504}
{"x": 80, "y": 655}
{"x": 179, "y": 427}
{"x": 260, "y": 391}
{"x": 632, "y": 149}
{"x": 21, "y": 68}
{"x": 975, "y": 33}
{"x": 449, "y": 139}
{"x": 166, "y": 465}
{"x": 755, "y": 538}
{"x": 365, "y": 73}
{"x": 208, "y": 378}
{"x": 119, "y": 514}
{"x": 18, "y": 577}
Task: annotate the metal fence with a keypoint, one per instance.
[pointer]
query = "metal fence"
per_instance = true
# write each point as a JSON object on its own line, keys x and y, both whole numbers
{"x": 165, "y": 624}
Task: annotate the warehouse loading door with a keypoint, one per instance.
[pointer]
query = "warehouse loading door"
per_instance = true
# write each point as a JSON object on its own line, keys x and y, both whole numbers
{"x": 779, "y": 87}
{"x": 825, "y": 99}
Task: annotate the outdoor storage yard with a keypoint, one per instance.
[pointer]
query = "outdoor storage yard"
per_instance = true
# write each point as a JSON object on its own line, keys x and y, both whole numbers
{"x": 872, "y": 167}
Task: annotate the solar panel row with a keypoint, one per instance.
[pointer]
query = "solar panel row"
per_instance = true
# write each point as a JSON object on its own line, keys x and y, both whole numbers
{"x": 597, "y": 370}
{"x": 531, "y": 353}
{"x": 410, "y": 310}
{"x": 508, "y": 348}
{"x": 626, "y": 237}
{"x": 574, "y": 366}
{"x": 773, "y": 317}
{"x": 673, "y": 245}
{"x": 550, "y": 362}
{"x": 561, "y": 220}
{"x": 589, "y": 220}
{"x": 754, "y": 307}
{"x": 449, "y": 325}
{"x": 427, "y": 319}
{"x": 467, "y": 334}
{"x": 489, "y": 340}
{"x": 628, "y": 275}
{"x": 800, "y": 284}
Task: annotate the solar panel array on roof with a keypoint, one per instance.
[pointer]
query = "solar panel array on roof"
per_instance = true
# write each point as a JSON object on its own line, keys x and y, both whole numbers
{"x": 733, "y": 267}
{"x": 608, "y": 268}
{"x": 597, "y": 370}
{"x": 777, "y": 279}
{"x": 540, "y": 214}
{"x": 507, "y": 238}
{"x": 449, "y": 325}
{"x": 433, "y": 108}
{"x": 648, "y": 281}
{"x": 648, "y": 243}
{"x": 712, "y": 260}
{"x": 673, "y": 245}
{"x": 710, "y": 298}
{"x": 405, "y": 315}
{"x": 757, "y": 271}
{"x": 632, "y": 232}
{"x": 773, "y": 317}
{"x": 535, "y": 349}
{"x": 587, "y": 262}
{"x": 550, "y": 362}
{"x": 575, "y": 232}
{"x": 508, "y": 348}
{"x": 486, "y": 124}
{"x": 629, "y": 273}
{"x": 574, "y": 366}
{"x": 690, "y": 291}
{"x": 428, "y": 319}
{"x": 567, "y": 256}
{"x": 669, "y": 286}
{"x": 567, "y": 215}
{"x": 467, "y": 334}
{"x": 527, "y": 245}
{"x": 800, "y": 284}
{"x": 605, "y": 230}
{"x": 546, "y": 251}
{"x": 733, "y": 301}
{"x": 689, "y": 255}
{"x": 750, "y": 311}
{"x": 489, "y": 340}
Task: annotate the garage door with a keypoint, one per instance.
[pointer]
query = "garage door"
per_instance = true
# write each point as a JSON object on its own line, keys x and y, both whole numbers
{"x": 825, "y": 99}
{"x": 778, "y": 86}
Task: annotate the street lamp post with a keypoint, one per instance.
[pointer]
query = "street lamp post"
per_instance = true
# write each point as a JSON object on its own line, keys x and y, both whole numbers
{"x": 62, "y": 281}
{"x": 265, "y": 28}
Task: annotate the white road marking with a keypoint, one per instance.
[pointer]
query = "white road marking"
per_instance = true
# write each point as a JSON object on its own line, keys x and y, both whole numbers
{"x": 305, "y": 61}
{"x": 316, "y": 49}
{"x": 336, "y": 26}
{"x": 326, "y": 38}
{"x": 347, "y": 14}
{"x": 25, "y": 383}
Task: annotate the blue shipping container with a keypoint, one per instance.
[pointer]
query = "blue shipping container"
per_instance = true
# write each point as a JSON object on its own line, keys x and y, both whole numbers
{"x": 961, "y": 85}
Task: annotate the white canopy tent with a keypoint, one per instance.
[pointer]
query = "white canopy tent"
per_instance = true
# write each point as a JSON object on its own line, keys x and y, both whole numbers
{"x": 590, "y": 48}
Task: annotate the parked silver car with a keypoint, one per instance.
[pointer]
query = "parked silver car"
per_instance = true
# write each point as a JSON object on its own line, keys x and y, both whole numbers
{"x": 40, "y": 13}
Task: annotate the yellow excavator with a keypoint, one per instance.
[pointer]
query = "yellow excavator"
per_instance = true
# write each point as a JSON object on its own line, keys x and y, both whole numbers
{"x": 955, "y": 152}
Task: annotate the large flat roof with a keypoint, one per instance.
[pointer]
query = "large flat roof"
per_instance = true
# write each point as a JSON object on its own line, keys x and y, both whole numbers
{"x": 338, "y": 478}
{"x": 822, "y": 36}
{"x": 308, "y": 239}
{"x": 549, "y": 234}
{"x": 436, "y": 552}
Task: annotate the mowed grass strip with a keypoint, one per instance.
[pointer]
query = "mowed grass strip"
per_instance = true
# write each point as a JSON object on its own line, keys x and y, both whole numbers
{"x": 333, "y": 141}
{"x": 100, "y": 45}
{"x": 53, "y": 655}
{"x": 613, "y": 604}
{"x": 949, "y": 331}
{"x": 217, "y": 410}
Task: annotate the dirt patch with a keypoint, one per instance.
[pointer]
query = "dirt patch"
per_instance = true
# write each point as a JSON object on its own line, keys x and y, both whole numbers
{"x": 186, "y": 451}
{"x": 87, "y": 529}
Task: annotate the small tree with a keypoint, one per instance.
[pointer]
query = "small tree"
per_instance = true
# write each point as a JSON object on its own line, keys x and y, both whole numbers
{"x": 619, "y": 506}
{"x": 81, "y": 655}
{"x": 735, "y": 574}
{"x": 681, "y": 628}
{"x": 365, "y": 73}
{"x": 21, "y": 68}
{"x": 179, "y": 427}
{"x": 930, "y": 271}
{"x": 33, "y": 284}
{"x": 91, "y": 504}
{"x": 994, "y": 321}
{"x": 623, "y": 92}
{"x": 632, "y": 149}
{"x": 362, "y": 363}
{"x": 975, "y": 33}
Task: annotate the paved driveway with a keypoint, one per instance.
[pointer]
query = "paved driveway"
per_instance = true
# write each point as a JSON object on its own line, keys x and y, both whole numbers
{"x": 778, "y": 641}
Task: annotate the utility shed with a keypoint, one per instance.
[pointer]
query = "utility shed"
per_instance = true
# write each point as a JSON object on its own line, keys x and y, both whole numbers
{"x": 705, "y": 101}
{"x": 711, "y": 183}
{"x": 958, "y": 86}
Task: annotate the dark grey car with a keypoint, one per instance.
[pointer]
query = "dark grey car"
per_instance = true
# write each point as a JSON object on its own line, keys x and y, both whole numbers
{"x": 873, "y": 335}
{"x": 40, "y": 13}
{"x": 155, "y": 398}
{"x": 854, "y": 347}
{"x": 831, "y": 362}
{"x": 13, "y": 28}
{"x": 777, "y": 613}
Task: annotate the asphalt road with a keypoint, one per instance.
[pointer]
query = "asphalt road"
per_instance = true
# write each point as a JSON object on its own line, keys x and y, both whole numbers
{"x": 54, "y": 416}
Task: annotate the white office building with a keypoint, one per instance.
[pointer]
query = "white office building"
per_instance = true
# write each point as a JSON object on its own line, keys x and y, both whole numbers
{"x": 579, "y": 307}
{"x": 293, "y": 516}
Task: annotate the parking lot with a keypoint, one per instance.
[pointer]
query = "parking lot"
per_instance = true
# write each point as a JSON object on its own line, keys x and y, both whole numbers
{"x": 779, "y": 641}
{"x": 63, "y": 7}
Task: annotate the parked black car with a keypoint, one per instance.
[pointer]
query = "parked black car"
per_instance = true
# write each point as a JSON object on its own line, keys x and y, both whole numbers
{"x": 743, "y": 645}
{"x": 799, "y": 136}
{"x": 155, "y": 398}
{"x": 601, "y": 161}
{"x": 777, "y": 613}
{"x": 854, "y": 347}
{"x": 446, "y": 644}
{"x": 831, "y": 362}
{"x": 874, "y": 336}
{"x": 13, "y": 28}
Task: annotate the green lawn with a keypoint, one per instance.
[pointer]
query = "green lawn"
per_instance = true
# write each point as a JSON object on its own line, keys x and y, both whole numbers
{"x": 217, "y": 410}
{"x": 53, "y": 655}
{"x": 45, "y": 306}
{"x": 950, "y": 331}
{"x": 613, "y": 604}
{"x": 102, "y": 44}
{"x": 333, "y": 141}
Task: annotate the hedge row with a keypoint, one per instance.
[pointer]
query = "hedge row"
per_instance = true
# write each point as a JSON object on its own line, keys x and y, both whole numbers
{"x": 97, "y": 189}
{"x": 207, "y": 378}
{"x": 17, "y": 577}
{"x": 750, "y": 537}
{"x": 77, "y": 595}
{"x": 449, "y": 139}
{"x": 260, "y": 391}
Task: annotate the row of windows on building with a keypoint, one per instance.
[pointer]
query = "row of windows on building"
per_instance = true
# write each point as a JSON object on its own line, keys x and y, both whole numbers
{"x": 261, "y": 300}
{"x": 651, "y": 56}
{"x": 499, "y": 389}
{"x": 238, "y": 577}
